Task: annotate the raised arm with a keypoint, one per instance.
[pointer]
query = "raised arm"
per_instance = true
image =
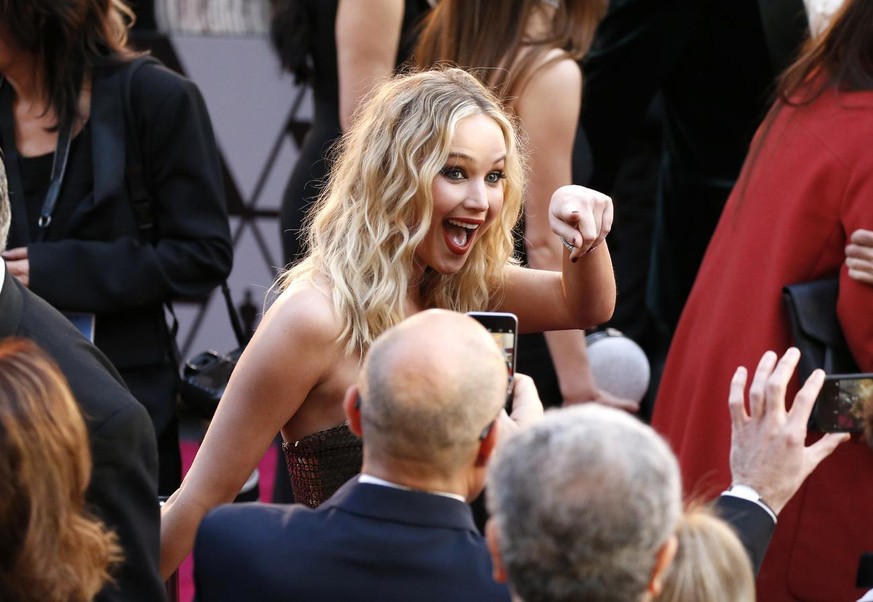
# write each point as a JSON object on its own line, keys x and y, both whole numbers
{"x": 291, "y": 352}
{"x": 769, "y": 458}
{"x": 367, "y": 40}
{"x": 583, "y": 293}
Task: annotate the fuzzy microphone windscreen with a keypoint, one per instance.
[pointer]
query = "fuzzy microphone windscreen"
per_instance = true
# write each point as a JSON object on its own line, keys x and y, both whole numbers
{"x": 618, "y": 364}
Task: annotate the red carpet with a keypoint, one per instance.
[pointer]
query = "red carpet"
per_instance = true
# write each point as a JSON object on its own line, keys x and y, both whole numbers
{"x": 267, "y": 470}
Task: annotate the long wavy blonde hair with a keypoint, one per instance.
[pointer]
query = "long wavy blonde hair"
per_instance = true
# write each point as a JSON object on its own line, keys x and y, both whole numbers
{"x": 376, "y": 206}
{"x": 53, "y": 549}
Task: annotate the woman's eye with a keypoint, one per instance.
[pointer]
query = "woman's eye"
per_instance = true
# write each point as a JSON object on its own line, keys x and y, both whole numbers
{"x": 494, "y": 177}
{"x": 452, "y": 173}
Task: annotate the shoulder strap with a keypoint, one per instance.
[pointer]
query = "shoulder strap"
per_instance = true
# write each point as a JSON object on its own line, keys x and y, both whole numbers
{"x": 140, "y": 199}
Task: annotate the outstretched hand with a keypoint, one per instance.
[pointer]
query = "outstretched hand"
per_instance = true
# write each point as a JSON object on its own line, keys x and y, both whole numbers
{"x": 768, "y": 443}
{"x": 581, "y": 216}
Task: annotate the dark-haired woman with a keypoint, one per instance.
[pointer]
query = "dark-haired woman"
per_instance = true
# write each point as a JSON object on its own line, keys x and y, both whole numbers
{"x": 77, "y": 238}
{"x": 806, "y": 186}
{"x": 341, "y": 49}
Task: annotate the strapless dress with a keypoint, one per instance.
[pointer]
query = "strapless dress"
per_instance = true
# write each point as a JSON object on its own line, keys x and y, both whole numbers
{"x": 321, "y": 462}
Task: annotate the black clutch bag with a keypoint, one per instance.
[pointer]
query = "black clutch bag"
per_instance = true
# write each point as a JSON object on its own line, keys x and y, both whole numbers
{"x": 812, "y": 315}
{"x": 205, "y": 375}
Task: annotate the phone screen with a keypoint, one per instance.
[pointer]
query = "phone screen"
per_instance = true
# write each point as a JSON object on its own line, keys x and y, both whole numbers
{"x": 843, "y": 402}
{"x": 504, "y": 328}
{"x": 506, "y": 341}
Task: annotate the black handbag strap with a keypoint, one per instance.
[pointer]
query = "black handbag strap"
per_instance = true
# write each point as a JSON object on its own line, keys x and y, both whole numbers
{"x": 59, "y": 168}
{"x": 140, "y": 199}
{"x": 238, "y": 331}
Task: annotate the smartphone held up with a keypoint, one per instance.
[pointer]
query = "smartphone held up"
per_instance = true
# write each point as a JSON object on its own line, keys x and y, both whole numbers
{"x": 504, "y": 328}
{"x": 844, "y": 404}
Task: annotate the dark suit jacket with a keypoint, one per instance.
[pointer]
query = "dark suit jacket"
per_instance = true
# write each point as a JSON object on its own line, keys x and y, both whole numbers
{"x": 367, "y": 542}
{"x": 123, "y": 488}
{"x": 751, "y": 522}
{"x": 715, "y": 63}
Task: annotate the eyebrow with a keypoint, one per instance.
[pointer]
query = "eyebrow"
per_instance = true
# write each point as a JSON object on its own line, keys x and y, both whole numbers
{"x": 467, "y": 157}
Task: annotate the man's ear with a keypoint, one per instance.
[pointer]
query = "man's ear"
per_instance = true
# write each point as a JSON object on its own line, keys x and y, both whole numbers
{"x": 492, "y": 538}
{"x": 487, "y": 445}
{"x": 663, "y": 558}
{"x": 352, "y": 407}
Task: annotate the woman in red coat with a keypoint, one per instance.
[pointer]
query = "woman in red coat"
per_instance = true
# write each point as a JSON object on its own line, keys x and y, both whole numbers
{"x": 807, "y": 184}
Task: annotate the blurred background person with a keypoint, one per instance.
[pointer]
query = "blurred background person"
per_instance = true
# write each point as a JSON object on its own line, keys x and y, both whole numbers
{"x": 54, "y": 549}
{"x": 341, "y": 48}
{"x": 528, "y": 51}
{"x": 804, "y": 189}
{"x": 711, "y": 66}
{"x": 93, "y": 233}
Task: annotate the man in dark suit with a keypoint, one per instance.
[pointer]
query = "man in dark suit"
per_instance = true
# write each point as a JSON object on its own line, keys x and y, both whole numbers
{"x": 123, "y": 487}
{"x": 715, "y": 63}
{"x": 429, "y": 409}
{"x": 586, "y": 500}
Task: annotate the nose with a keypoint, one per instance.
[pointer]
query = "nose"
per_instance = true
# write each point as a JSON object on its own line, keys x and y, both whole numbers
{"x": 477, "y": 196}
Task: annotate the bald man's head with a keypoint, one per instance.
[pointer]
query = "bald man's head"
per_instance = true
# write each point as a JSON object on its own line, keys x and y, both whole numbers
{"x": 430, "y": 386}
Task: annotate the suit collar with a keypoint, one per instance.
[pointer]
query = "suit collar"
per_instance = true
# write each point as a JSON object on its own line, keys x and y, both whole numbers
{"x": 402, "y": 506}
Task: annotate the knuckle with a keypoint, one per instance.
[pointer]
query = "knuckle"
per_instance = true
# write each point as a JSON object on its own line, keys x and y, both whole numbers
{"x": 774, "y": 388}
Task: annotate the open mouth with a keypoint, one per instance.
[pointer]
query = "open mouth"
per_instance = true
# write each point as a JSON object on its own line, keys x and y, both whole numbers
{"x": 459, "y": 234}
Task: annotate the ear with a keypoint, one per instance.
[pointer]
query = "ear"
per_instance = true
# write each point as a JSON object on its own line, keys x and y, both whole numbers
{"x": 487, "y": 445}
{"x": 663, "y": 558}
{"x": 492, "y": 538}
{"x": 352, "y": 407}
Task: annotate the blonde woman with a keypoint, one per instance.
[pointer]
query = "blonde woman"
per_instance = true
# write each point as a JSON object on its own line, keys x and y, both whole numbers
{"x": 53, "y": 549}
{"x": 711, "y": 564}
{"x": 418, "y": 213}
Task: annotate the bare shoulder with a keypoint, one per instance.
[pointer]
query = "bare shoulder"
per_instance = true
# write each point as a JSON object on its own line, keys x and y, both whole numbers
{"x": 557, "y": 76}
{"x": 296, "y": 348}
{"x": 303, "y": 310}
{"x": 551, "y": 100}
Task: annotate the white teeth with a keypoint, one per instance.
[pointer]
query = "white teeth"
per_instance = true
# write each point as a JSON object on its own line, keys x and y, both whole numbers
{"x": 463, "y": 224}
